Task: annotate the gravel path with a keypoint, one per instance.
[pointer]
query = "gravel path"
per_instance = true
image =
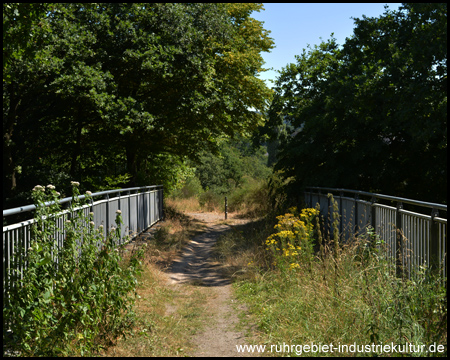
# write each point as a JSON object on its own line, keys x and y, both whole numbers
{"x": 195, "y": 268}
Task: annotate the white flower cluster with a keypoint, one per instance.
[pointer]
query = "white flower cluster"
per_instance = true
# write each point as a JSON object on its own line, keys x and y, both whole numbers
{"x": 39, "y": 188}
{"x": 74, "y": 183}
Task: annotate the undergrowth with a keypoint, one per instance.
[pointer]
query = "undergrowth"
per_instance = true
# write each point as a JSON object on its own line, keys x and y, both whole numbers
{"x": 303, "y": 288}
{"x": 72, "y": 299}
{"x": 250, "y": 200}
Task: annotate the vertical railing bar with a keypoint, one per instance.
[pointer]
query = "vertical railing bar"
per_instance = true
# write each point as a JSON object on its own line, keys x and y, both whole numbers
{"x": 355, "y": 227}
{"x": 400, "y": 249}
{"x": 341, "y": 212}
{"x": 434, "y": 252}
{"x": 129, "y": 212}
{"x": 107, "y": 225}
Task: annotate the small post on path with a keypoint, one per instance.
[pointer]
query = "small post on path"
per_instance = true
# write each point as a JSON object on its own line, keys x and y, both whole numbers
{"x": 226, "y": 208}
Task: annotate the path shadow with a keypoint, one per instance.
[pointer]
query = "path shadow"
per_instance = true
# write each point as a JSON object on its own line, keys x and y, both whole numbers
{"x": 196, "y": 266}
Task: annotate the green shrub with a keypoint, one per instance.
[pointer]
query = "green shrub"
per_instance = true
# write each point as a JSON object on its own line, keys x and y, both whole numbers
{"x": 78, "y": 303}
{"x": 212, "y": 201}
{"x": 192, "y": 188}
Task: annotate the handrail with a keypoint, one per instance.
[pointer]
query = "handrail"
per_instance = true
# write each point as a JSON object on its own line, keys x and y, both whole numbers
{"x": 22, "y": 209}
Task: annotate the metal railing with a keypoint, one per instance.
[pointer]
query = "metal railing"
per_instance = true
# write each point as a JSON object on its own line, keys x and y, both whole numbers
{"x": 141, "y": 207}
{"x": 414, "y": 237}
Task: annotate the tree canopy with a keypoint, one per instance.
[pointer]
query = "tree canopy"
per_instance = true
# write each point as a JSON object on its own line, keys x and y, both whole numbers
{"x": 371, "y": 114}
{"x": 101, "y": 92}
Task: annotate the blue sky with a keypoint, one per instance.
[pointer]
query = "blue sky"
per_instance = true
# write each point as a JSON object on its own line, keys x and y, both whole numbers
{"x": 295, "y": 25}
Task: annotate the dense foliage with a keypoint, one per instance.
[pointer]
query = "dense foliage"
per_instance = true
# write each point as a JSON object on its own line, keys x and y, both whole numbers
{"x": 372, "y": 114}
{"x": 100, "y": 93}
{"x": 238, "y": 171}
{"x": 225, "y": 171}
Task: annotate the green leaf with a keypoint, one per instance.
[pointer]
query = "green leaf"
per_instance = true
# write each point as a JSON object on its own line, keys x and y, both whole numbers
{"x": 47, "y": 295}
{"x": 44, "y": 261}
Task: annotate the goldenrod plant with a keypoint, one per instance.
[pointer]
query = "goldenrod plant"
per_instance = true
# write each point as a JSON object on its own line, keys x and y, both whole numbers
{"x": 293, "y": 244}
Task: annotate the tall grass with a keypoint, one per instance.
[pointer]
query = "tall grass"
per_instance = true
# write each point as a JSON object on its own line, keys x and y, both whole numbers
{"x": 344, "y": 294}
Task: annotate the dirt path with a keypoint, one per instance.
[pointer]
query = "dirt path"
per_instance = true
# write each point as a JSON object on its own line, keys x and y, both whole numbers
{"x": 195, "y": 268}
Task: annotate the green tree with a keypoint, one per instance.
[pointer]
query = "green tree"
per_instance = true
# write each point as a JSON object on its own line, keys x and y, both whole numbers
{"x": 112, "y": 86}
{"x": 372, "y": 114}
{"x": 225, "y": 171}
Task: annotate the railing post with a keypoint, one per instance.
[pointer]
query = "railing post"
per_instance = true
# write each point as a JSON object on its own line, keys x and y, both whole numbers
{"x": 329, "y": 211}
{"x": 434, "y": 240}
{"x": 137, "y": 210}
{"x": 107, "y": 215}
{"x": 355, "y": 231}
{"x": 118, "y": 208}
{"x": 400, "y": 271}
{"x": 373, "y": 213}
{"x": 162, "y": 203}
{"x": 129, "y": 212}
{"x": 226, "y": 208}
{"x": 341, "y": 212}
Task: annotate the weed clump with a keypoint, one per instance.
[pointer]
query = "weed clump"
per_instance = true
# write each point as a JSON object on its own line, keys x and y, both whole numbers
{"x": 71, "y": 298}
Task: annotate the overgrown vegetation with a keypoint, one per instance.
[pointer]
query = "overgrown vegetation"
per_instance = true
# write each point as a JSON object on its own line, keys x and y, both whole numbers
{"x": 74, "y": 299}
{"x": 340, "y": 294}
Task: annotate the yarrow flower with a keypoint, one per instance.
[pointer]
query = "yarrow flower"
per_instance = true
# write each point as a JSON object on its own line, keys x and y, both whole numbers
{"x": 74, "y": 183}
{"x": 88, "y": 193}
{"x": 118, "y": 212}
{"x": 39, "y": 188}
{"x": 92, "y": 223}
{"x": 51, "y": 187}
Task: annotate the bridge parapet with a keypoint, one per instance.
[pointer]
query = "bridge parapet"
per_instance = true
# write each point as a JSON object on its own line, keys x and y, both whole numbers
{"x": 415, "y": 232}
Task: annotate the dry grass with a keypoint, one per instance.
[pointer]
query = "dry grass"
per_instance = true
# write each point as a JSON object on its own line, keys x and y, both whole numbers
{"x": 184, "y": 205}
{"x": 166, "y": 318}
